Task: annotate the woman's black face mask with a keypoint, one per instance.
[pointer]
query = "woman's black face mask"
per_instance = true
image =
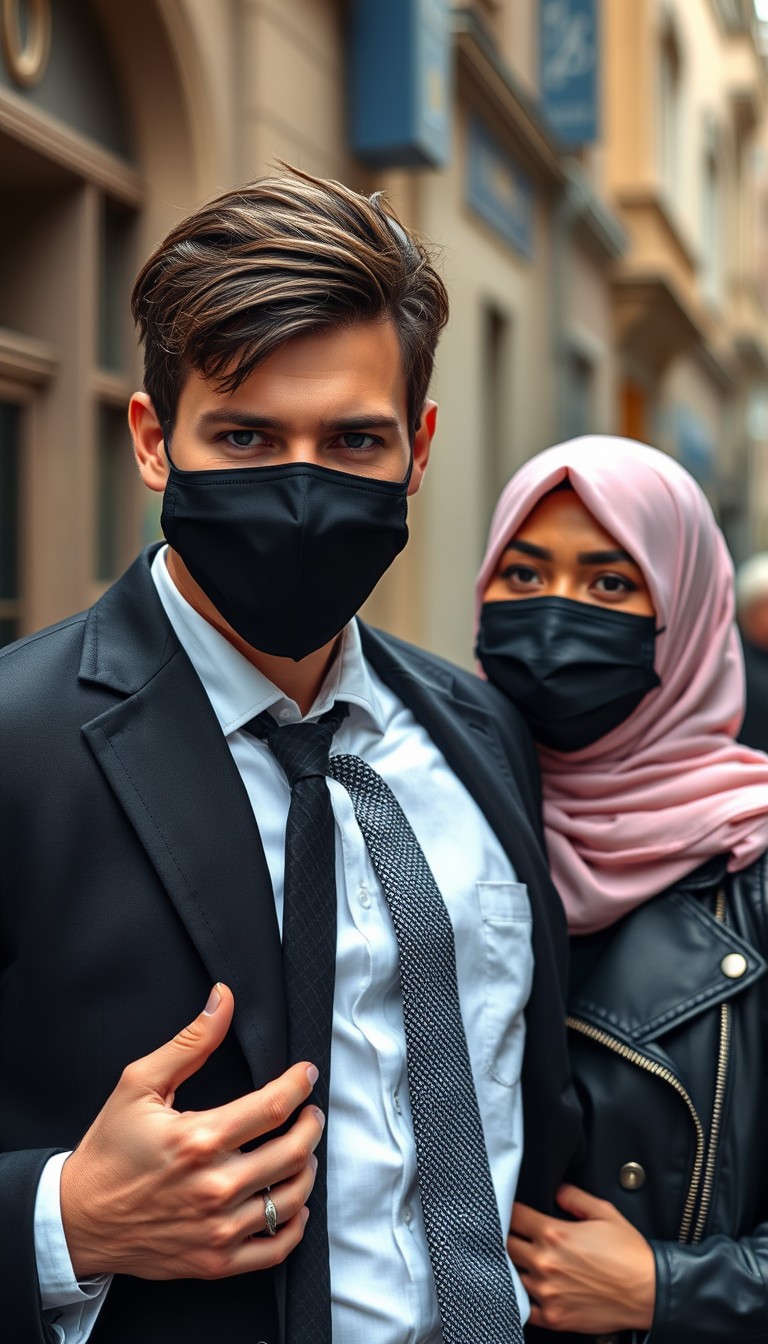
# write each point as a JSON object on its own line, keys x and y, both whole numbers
{"x": 575, "y": 671}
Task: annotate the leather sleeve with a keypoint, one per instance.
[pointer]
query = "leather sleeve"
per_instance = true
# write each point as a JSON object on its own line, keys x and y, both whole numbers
{"x": 713, "y": 1292}
{"x": 20, "y": 1309}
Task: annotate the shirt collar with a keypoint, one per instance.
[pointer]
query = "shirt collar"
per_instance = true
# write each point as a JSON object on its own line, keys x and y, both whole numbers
{"x": 238, "y": 691}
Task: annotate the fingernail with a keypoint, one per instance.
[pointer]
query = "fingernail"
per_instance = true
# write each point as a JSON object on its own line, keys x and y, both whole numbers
{"x": 313, "y": 1161}
{"x": 305, "y": 1214}
{"x": 312, "y": 1074}
{"x": 320, "y": 1117}
{"x": 214, "y": 999}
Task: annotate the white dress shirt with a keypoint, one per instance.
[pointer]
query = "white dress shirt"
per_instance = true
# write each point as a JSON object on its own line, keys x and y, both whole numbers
{"x": 382, "y": 1287}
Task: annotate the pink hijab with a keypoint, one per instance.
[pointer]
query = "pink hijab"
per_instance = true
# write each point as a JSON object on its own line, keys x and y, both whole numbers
{"x": 669, "y": 788}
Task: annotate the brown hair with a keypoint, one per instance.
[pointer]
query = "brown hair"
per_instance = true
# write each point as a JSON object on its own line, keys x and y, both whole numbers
{"x": 274, "y": 259}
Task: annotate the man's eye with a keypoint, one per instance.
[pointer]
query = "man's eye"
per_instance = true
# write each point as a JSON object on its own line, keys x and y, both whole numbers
{"x": 242, "y": 438}
{"x": 358, "y": 442}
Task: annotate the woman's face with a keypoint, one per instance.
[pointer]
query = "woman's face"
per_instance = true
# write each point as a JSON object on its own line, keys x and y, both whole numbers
{"x": 561, "y": 551}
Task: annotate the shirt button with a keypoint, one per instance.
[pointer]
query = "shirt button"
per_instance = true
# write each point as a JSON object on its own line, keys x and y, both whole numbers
{"x": 407, "y": 1216}
{"x": 364, "y": 897}
{"x": 286, "y": 714}
{"x": 396, "y": 1100}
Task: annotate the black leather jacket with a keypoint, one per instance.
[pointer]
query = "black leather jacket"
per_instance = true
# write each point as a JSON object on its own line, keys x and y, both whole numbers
{"x": 668, "y": 1017}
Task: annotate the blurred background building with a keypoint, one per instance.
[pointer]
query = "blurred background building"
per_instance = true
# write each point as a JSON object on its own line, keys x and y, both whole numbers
{"x": 596, "y": 172}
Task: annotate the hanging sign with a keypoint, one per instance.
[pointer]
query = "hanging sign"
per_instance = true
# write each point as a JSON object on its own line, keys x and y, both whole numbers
{"x": 399, "y": 65}
{"x": 569, "y": 68}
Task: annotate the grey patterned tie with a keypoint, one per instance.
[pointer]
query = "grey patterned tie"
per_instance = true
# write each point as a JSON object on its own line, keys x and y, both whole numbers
{"x": 475, "y": 1292}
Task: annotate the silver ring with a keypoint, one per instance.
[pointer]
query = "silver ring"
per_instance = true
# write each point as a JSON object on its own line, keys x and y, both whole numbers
{"x": 270, "y": 1213}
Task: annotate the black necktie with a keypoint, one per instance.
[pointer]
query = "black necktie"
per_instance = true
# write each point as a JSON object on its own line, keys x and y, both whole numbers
{"x": 309, "y": 963}
{"x": 474, "y": 1287}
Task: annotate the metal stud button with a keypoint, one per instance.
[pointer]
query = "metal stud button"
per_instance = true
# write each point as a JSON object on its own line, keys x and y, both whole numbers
{"x": 733, "y": 965}
{"x": 632, "y": 1176}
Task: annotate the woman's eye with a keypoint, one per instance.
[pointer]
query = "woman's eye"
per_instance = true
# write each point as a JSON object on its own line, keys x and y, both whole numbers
{"x": 522, "y": 575}
{"x": 614, "y": 584}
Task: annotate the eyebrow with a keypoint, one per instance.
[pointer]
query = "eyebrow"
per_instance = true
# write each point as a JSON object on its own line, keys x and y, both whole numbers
{"x": 584, "y": 557}
{"x": 350, "y": 424}
{"x": 528, "y": 548}
{"x": 604, "y": 557}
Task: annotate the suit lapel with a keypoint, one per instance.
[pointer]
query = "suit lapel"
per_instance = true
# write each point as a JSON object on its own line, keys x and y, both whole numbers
{"x": 163, "y": 754}
{"x": 467, "y": 737}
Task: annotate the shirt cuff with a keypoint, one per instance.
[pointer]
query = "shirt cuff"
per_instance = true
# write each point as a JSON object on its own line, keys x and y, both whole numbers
{"x": 58, "y": 1285}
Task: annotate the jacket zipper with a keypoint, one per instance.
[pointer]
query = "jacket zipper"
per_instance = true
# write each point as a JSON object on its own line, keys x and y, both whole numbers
{"x": 658, "y": 1071}
{"x": 717, "y": 1108}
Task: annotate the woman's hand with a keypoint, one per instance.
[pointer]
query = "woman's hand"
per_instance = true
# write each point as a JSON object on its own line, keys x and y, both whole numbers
{"x": 595, "y": 1275}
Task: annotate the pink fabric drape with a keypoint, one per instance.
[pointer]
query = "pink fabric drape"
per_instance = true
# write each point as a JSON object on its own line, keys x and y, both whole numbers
{"x": 669, "y": 787}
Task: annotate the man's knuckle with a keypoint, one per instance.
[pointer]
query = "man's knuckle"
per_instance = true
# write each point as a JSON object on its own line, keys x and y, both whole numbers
{"x": 553, "y": 1315}
{"x": 129, "y": 1078}
{"x": 280, "y": 1252}
{"x": 297, "y": 1152}
{"x": 276, "y": 1110}
{"x": 211, "y": 1263}
{"x": 196, "y": 1143}
{"x": 188, "y": 1038}
{"x": 213, "y": 1191}
{"x": 221, "y": 1234}
{"x": 552, "y": 1234}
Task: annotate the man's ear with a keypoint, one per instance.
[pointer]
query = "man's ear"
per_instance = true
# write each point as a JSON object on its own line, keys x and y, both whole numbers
{"x": 422, "y": 442}
{"x": 148, "y": 441}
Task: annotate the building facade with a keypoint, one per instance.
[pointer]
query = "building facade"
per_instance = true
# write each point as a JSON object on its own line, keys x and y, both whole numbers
{"x": 600, "y": 203}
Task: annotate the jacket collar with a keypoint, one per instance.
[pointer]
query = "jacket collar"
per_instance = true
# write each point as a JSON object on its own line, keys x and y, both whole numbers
{"x": 662, "y": 965}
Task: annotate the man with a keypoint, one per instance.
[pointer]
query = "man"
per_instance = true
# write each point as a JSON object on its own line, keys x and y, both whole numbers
{"x": 158, "y": 835}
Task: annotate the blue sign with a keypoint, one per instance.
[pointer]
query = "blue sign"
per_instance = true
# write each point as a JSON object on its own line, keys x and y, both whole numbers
{"x": 498, "y": 189}
{"x": 695, "y": 444}
{"x": 400, "y": 74}
{"x": 569, "y": 68}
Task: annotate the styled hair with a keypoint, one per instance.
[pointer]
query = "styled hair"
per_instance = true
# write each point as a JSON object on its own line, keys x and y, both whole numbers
{"x": 279, "y": 258}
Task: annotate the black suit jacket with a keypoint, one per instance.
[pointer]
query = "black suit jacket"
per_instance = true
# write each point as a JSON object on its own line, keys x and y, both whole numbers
{"x": 132, "y": 877}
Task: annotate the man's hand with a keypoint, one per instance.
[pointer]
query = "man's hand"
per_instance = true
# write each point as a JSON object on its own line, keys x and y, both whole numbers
{"x": 593, "y": 1276}
{"x": 161, "y": 1194}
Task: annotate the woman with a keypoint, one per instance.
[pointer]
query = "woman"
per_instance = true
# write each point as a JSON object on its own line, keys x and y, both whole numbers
{"x": 605, "y": 608}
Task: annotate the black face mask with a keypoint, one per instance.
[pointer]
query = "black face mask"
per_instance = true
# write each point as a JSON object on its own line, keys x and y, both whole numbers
{"x": 286, "y": 554}
{"x": 575, "y": 671}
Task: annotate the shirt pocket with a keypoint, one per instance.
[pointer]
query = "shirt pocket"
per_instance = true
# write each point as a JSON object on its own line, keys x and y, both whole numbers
{"x": 508, "y": 973}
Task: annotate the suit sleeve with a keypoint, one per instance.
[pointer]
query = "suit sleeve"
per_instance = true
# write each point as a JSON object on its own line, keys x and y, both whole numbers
{"x": 71, "y": 1305}
{"x": 21, "y": 1309}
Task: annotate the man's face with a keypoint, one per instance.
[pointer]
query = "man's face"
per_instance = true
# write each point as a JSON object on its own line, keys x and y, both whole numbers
{"x": 336, "y": 399}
